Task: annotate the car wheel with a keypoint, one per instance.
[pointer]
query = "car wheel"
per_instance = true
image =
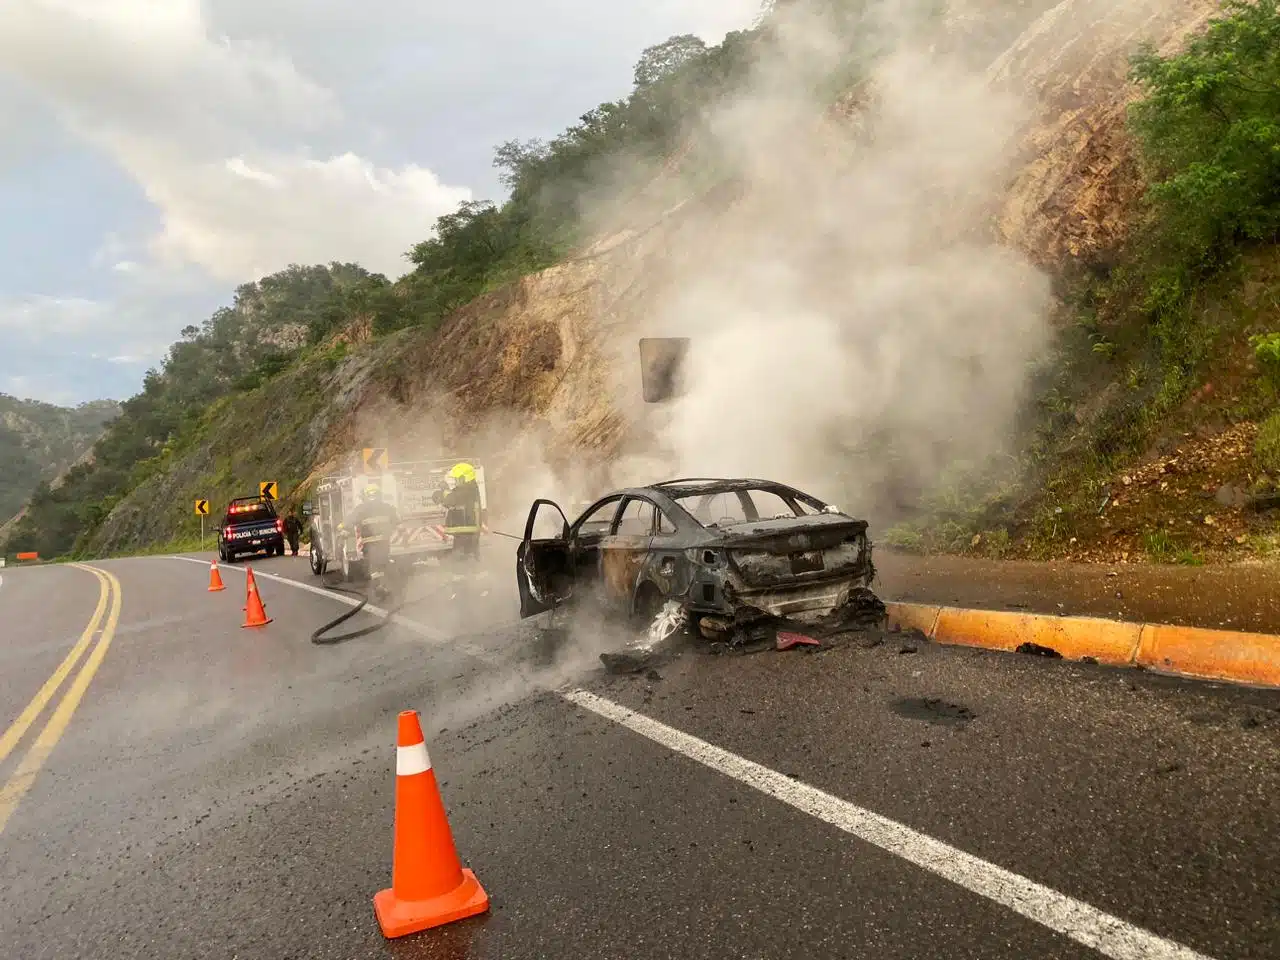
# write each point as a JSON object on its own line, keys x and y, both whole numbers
{"x": 280, "y": 550}
{"x": 317, "y": 560}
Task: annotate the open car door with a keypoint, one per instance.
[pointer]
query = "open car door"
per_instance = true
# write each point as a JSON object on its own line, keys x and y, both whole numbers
{"x": 543, "y": 563}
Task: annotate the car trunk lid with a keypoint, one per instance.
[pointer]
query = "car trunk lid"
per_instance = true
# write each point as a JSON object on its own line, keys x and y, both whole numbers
{"x": 809, "y": 548}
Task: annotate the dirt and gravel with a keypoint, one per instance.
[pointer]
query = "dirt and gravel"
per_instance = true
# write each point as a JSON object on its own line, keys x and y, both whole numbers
{"x": 1227, "y": 597}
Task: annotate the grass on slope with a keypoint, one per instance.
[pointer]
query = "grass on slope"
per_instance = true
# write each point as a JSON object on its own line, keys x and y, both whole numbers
{"x": 273, "y": 432}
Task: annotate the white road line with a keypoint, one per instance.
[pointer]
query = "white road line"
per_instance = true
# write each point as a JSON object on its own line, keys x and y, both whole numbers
{"x": 1084, "y": 924}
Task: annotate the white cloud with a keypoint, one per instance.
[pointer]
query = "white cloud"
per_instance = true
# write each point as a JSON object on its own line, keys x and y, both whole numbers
{"x": 215, "y": 133}
{"x": 70, "y": 349}
{"x": 50, "y": 315}
{"x": 270, "y": 133}
{"x": 243, "y": 218}
{"x": 711, "y": 19}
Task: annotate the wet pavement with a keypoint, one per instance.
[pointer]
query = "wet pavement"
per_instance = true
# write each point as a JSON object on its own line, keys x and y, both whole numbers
{"x": 223, "y": 792}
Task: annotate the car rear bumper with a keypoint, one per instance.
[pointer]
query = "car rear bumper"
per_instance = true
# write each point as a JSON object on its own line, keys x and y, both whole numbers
{"x": 727, "y": 596}
{"x": 272, "y": 541}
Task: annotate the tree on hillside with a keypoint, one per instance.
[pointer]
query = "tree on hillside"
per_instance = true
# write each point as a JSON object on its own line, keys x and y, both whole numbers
{"x": 237, "y": 348}
{"x": 665, "y": 59}
{"x": 1209, "y": 126}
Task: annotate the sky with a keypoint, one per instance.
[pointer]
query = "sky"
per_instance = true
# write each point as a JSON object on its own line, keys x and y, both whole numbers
{"x": 154, "y": 154}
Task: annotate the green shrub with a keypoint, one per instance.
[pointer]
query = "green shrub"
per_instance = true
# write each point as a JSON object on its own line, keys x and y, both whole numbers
{"x": 1210, "y": 135}
{"x": 1266, "y": 449}
{"x": 1159, "y": 546}
{"x": 1266, "y": 350}
{"x": 905, "y": 537}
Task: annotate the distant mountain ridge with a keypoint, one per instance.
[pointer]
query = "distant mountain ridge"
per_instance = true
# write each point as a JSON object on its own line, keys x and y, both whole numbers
{"x": 38, "y": 441}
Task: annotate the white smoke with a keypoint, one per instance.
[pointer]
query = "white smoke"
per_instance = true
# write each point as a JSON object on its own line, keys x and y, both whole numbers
{"x": 854, "y": 296}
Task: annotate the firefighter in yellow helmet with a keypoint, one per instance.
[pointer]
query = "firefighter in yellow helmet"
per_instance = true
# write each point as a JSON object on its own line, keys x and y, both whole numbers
{"x": 462, "y": 503}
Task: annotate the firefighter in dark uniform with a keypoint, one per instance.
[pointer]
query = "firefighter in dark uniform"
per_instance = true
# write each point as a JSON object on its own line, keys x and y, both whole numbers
{"x": 293, "y": 530}
{"x": 374, "y": 520}
{"x": 462, "y": 503}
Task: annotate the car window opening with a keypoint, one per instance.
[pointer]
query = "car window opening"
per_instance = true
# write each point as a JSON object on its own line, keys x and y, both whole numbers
{"x": 730, "y": 508}
{"x": 250, "y": 513}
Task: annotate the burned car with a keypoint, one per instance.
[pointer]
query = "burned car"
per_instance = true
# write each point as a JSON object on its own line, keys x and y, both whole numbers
{"x": 726, "y": 551}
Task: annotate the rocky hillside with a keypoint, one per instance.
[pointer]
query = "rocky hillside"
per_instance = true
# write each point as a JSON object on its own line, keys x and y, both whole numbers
{"x": 917, "y": 264}
{"x": 38, "y": 441}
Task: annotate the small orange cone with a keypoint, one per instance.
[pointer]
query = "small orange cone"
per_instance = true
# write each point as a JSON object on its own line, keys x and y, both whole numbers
{"x": 215, "y": 578}
{"x": 429, "y": 887}
{"x": 255, "y": 613}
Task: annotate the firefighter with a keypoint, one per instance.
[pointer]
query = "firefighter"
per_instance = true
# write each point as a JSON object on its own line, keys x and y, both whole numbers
{"x": 293, "y": 530}
{"x": 374, "y": 520}
{"x": 462, "y": 521}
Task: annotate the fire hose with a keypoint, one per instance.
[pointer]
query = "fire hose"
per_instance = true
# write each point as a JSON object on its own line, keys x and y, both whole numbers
{"x": 319, "y": 637}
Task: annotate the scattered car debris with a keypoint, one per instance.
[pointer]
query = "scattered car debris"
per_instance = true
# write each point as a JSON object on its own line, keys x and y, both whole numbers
{"x": 787, "y": 640}
{"x": 1036, "y": 650}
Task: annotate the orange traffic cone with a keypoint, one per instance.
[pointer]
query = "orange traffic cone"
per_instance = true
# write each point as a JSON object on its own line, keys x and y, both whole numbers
{"x": 255, "y": 613}
{"x": 215, "y": 578}
{"x": 429, "y": 887}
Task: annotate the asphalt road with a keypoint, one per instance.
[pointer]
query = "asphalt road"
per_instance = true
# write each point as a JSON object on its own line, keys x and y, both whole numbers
{"x": 222, "y": 792}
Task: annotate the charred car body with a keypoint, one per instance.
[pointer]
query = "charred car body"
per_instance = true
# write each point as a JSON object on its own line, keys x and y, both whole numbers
{"x": 727, "y": 551}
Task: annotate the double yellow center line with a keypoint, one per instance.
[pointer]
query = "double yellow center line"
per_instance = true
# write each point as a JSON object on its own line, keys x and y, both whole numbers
{"x": 16, "y": 787}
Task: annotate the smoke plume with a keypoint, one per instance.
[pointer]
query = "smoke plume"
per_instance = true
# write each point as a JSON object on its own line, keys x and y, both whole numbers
{"x": 855, "y": 325}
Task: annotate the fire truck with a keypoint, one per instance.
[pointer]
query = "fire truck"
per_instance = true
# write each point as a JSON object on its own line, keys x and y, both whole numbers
{"x": 416, "y": 489}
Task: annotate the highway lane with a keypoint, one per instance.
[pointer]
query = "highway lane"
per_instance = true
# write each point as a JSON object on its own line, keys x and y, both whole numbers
{"x": 225, "y": 792}
{"x": 61, "y": 601}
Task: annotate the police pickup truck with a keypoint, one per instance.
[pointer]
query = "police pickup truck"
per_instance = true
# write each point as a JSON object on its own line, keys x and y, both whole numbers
{"x": 250, "y": 526}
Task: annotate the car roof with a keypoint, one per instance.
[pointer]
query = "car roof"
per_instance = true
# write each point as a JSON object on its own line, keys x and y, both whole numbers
{"x": 713, "y": 485}
{"x": 674, "y": 490}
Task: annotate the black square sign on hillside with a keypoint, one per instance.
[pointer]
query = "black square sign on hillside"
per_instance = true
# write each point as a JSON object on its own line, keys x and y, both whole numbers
{"x": 662, "y": 367}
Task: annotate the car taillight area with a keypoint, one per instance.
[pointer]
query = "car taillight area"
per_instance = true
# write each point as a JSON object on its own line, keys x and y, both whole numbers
{"x": 760, "y": 567}
{"x": 244, "y": 531}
